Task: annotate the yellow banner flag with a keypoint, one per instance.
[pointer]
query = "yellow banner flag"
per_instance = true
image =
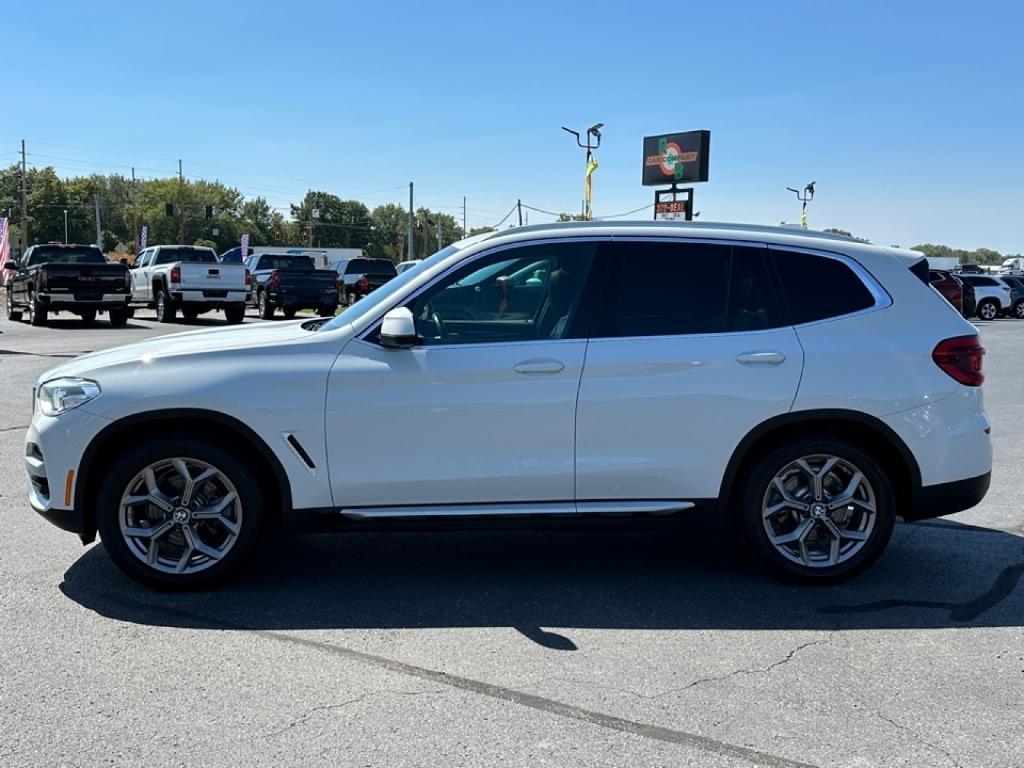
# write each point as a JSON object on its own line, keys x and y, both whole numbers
{"x": 587, "y": 186}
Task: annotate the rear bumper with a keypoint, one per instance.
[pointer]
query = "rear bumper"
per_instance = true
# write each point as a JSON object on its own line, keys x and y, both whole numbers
{"x": 59, "y": 301}
{"x": 316, "y": 298}
{"x": 211, "y": 297}
{"x": 948, "y": 498}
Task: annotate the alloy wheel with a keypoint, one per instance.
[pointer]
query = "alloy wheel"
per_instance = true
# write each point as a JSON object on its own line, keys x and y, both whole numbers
{"x": 180, "y": 515}
{"x": 1018, "y": 310}
{"x": 988, "y": 311}
{"x": 819, "y": 511}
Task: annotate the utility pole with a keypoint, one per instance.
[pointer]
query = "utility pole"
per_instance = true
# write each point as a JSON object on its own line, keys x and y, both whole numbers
{"x": 24, "y": 200}
{"x": 439, "y": 246}
{"x": 181, "y": 202}
{"x": 465, "y": 232}
{"x": 99, "y": 231}
{"x": 519, "y": 207}
{"x": 135, "y": 214}
{"x": 410, "y": 255}
{"x": 65, "y": 226}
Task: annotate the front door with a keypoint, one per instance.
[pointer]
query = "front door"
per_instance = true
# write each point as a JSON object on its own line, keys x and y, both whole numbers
{"x": 689, "y": 352}
{"x": 482, "y": 411}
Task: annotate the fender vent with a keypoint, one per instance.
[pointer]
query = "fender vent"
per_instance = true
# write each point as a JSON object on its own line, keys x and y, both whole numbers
{"x": 299, "y": 450}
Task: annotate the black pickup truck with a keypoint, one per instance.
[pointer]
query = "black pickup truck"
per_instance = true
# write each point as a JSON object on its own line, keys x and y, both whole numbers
{"x": 292, "y": 283}
{"x": 360, "y": 276}
{"x": 67, "y": 278}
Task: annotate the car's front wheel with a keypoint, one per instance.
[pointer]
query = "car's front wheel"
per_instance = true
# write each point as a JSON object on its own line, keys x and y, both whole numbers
{"x": 819, "y": 510}
{"x": 179, "y": 512}
{"x": 12, "y": 313}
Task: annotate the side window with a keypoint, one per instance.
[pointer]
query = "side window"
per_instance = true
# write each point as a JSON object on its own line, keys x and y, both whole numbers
{"x": 673, "y": 289}
{"x": 524, "y": 294}
{"x": 147, "y": 256}
{"x": 819, "y": 287}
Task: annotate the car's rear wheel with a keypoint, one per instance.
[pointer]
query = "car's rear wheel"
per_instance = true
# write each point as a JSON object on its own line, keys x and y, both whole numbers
{"x": 326, "y": 310}
{"x": 988, "y": 309}
{"x": 38, "y": 314}
{"x": 179, "y": 512}
{"x": 264, "y": 307}
{"x": 1018, "y": 310}
{"x": 12, "y": 313}
{"x": 88, "y": 316}
{"x": 288, "y": 312}
{"x": 189, "y": 315}
{"x": 819, "y": 510}
{"x": 165, "y": 309}
{"x": 234, "y": 314}
{"x": 118, "y": 316}
{"x": 351, "y": 299}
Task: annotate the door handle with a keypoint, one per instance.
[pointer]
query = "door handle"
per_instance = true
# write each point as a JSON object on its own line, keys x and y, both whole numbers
{"x": 761, "y": 358}
{"x": 539, "y": 366}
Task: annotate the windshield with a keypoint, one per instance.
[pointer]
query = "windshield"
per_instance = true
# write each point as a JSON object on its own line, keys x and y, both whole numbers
{"x": 383, "y": 294}
{"x": 59, "y": 255}
{"x": 186, "y": 255}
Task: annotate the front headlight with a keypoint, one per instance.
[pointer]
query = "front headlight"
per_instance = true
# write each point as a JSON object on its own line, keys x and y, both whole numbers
{"x": 61, "y": 395}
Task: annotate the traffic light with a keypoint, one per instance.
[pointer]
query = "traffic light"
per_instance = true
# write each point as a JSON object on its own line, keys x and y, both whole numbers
{"x": 209, "y": 211}
{"x": 169, "y": 209}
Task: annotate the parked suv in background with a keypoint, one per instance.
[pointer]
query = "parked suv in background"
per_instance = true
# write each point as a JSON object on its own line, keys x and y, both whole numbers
{"x": 992, "y": 295}
{"x": 357, "y": 277}
{"x": 1016, "y": 286}
{"x": 56, "y": 277}
{"x": 949, "y": 286}
{"x": 639, "y": 372}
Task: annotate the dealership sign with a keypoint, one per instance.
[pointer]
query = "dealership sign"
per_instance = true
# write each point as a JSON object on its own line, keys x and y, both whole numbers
{"x": 676, "y": 158}
{"x": 673, "y": 204}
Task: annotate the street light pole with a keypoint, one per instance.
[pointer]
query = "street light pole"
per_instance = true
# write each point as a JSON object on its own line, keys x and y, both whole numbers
{"x": 804, "y": 198}
{"x": 593, "y": 132}
{"x": 65, "y": 226}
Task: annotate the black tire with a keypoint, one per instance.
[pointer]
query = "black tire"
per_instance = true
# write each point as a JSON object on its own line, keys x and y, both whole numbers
{"x": 754, "y": 527}
{"x": 234, "y": 314}
{"x": 13, "y": 314}
{"x": 201, "y": 448}
{"x": 165, "y": 309}
{"x": 118, "y": 316}
{"x": 288, "y": 312}
{"x": 988, "y": 309}
{"x": 189, "y": 315}
{"x": 88, "y": 316}
{"x": 264, "y": 307}
{"x": 130, "y": 312}
{"x": 351, "y": 299}
{"x": 1018, "y": 310}
{"x": 37, "y": 313}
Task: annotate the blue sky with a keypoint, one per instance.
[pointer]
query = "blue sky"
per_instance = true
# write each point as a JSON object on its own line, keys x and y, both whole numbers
{"x": 909, "y": 115}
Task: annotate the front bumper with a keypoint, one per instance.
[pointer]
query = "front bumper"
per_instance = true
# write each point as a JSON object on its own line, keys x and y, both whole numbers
{"x": 53, "y": 452}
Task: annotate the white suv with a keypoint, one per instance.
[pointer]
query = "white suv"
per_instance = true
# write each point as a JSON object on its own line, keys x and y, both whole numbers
{"x": 992, "y": 295}
{"x": 809, "y": 387}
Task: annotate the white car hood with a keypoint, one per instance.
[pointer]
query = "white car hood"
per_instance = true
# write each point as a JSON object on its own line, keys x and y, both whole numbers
{"x": 233, "y": 338}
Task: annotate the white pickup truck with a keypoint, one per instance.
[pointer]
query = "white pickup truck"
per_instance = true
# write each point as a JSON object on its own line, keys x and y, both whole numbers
{"x": 189, "y": 278}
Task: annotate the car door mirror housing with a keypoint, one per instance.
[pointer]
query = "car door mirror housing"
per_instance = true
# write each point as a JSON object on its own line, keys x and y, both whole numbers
{"x": 13, "y": 265}
{"x": 398, "y": 329}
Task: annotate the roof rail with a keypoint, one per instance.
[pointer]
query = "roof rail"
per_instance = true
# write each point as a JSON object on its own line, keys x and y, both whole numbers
{"x": 694, "y": 225}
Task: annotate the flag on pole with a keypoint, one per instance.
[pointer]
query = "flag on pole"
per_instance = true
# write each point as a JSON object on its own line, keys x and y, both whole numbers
{"x": 5, "y": 248}
{"x": 245, "y": 246}
{"x": 143, "y": 237}
{"x": 587, "y": 186}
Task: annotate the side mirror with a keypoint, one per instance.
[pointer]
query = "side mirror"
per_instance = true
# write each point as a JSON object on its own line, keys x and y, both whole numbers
{"x": 398, "y": 330}
{"x": 12, "y": 265}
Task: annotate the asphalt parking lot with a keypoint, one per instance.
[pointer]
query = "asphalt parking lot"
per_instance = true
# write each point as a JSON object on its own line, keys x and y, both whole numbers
{"x": 531, "y": 649}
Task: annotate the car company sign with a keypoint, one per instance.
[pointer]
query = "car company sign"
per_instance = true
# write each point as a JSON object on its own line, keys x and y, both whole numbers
{"x": 676, "y": 158}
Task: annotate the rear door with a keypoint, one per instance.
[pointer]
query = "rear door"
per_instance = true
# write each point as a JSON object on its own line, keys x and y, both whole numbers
{"x": 689, "y": 351}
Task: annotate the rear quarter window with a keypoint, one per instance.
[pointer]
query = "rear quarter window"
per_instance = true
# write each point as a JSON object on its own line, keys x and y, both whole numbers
{"x": 818, "y": 287}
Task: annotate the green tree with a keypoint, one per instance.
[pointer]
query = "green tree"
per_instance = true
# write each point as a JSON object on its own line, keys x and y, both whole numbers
{"x": 341, "y": 223}
{"x": 390, "y": 232}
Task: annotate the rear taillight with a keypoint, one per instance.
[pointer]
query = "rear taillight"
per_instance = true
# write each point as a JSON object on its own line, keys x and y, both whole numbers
{"x": 175, "y": 274}
{"x": 364, "y": 284}
{"x": 127, "y": 279}
{"x": 44, "y": 279}
{"x": 248, "y": 277}
{"x": 960, "y": 357}
{"x": 275, "y": 279}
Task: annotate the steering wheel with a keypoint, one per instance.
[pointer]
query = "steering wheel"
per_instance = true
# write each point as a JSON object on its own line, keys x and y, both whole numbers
{"x": 442, "y": 330}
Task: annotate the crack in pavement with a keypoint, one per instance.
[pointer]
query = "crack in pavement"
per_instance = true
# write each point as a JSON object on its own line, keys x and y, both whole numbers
{"x": 756, "y": 671}
{"x": 490, "y": 690}
{"x": 324, "y": 707}
{"x": 44, "y": 354}
{"x": 918, "y": 739}
{"x": 12, "y": 429}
